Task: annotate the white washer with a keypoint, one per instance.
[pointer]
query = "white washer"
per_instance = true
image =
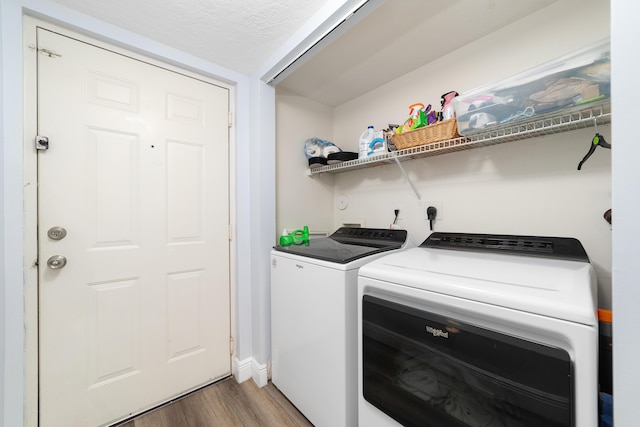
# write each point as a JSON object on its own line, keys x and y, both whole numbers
{"x": 471, "y": 329}
{"x": 314, "y": 320}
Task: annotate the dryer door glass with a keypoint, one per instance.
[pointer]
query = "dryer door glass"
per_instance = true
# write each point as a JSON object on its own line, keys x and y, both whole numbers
{"x": 423, "y": 369}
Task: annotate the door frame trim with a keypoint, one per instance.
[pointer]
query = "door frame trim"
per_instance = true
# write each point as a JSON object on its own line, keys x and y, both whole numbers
{"x": 30, "y": 208}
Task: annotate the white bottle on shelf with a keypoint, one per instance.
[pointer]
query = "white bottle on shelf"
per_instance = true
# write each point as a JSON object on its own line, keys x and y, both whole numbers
{"x": 365, "y": 140}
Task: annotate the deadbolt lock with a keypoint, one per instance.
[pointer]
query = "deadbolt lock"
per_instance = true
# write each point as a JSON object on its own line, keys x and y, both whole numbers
{"x": 57, "y": 233}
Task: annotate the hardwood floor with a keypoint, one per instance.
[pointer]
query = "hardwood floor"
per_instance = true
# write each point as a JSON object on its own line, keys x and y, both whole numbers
{"x": 225, "y": 403}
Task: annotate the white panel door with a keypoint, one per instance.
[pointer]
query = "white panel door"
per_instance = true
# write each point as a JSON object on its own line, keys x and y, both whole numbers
{"x": 137, "y": 174}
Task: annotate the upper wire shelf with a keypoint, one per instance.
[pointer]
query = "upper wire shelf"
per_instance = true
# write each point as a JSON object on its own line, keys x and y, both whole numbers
{"x": 566, "y": 120}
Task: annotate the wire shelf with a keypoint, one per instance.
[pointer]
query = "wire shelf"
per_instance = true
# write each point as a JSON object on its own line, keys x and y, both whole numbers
{"x": 567, "y": 120}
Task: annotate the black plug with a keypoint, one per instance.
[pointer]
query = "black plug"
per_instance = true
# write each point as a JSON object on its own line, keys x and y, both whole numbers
{"x": 431, "y": 216}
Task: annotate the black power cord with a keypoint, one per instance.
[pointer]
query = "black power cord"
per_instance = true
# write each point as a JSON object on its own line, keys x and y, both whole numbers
{"x": 431, "y": 216}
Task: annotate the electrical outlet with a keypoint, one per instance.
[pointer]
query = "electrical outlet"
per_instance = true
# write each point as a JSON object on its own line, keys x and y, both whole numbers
{"x": 399, "y": 208}
{"x": 435, "y": 204}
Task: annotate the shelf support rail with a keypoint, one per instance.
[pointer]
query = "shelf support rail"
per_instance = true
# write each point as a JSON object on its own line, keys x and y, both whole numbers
{"x": 406, "y": 177}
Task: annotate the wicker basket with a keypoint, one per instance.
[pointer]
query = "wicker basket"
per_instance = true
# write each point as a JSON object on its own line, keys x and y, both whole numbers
{"x": 440, "y": 131}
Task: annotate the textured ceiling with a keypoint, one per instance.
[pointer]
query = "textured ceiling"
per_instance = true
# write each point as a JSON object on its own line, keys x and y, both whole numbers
{"x": 243, "y": 35}
{"x": 239, "y": 35}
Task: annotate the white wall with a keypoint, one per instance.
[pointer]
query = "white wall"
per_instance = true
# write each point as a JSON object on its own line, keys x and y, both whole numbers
{"x": 263, "y": 213}
{"x": 301, "y": 200}
{"x": 3, "y": 279}
{"x": 626, "y": 207}
{"x": 526, "y": 187}
{"x": 11, "y": 301}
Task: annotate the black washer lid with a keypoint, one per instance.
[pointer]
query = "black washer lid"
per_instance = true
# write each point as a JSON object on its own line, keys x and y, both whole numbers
{"x": 349, "y": 244}
{"x": 566, "y": 248}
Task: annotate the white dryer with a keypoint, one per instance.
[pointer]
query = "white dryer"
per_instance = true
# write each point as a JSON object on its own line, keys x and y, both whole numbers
{"x": 314, "y": 320}
{"x": 479, "y": 330}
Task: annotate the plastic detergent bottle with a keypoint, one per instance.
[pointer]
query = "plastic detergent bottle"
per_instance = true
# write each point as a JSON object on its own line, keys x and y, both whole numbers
{"x": 298, "y": 237}
{"x": 365, "y": 140}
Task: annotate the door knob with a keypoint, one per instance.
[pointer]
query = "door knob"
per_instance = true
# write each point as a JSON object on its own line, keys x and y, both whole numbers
{"x": 56, "y": 262}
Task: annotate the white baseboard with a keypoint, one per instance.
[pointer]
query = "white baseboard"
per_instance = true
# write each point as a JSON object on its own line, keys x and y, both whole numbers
{"x": 250, "y": 368}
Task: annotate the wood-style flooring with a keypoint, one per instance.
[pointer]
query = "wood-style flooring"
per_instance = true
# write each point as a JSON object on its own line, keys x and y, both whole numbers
{"x": 225, "y": 403}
